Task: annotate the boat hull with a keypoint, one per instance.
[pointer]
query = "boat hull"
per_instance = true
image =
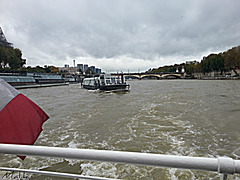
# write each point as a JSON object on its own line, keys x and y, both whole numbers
{"x": 114, "y": 87}
{"x": 107, "y": 87}
{"x": 90, "y": 87}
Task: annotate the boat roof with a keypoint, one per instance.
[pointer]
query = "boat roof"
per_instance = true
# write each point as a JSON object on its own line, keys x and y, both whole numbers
{"x": 90, "y": 78}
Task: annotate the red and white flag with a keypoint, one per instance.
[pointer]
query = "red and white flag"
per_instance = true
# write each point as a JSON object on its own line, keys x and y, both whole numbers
{"x": 20, "y": 119}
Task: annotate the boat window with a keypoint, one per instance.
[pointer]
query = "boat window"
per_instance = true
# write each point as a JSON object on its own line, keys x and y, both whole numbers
{"x": 113, "y": 80}
{"x": 17, "y": 79}
{"x": 118, "y": 81}
{"x": 102, "y": 81}
{"x": 86, "y": 82}
{"x": 91, "y": 82}
{"x": 108, "y": 81}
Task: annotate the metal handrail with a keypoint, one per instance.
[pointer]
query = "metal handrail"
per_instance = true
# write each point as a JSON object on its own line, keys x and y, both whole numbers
{"x": 224, "y": 165}
{"x": 56, "y": 174}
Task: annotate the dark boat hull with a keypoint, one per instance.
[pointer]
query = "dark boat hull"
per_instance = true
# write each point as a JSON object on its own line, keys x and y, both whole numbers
{"x": 113, "y": 87}
{"x": 108, "y": 87}
{"x": 90, "y": 87}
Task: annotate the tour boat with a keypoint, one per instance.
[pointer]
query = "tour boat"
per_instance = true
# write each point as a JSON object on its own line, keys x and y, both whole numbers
{"x": 106, "y": 83}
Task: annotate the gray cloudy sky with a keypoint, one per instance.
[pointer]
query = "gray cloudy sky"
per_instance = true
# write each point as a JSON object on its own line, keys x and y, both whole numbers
{"x": 120, "y": 35}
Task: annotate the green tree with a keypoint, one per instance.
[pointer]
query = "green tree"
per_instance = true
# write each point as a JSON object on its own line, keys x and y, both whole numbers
{"x": 3, "y": 56}
{"x": 189, "y": 68}
{"x": 89, "y": 71}
{"x": 213, "y": 62}
{"x": 11, "y": 56}
{"x": 232, "y": 58}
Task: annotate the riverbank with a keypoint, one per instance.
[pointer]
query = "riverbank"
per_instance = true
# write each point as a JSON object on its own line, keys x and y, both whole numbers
{"x": 33, "y": 80}
{"x": 39, "y": 85}
{"x": 219, "y": 78}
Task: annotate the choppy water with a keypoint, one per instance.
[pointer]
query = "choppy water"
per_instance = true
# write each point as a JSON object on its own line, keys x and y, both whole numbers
{"x": 177, "y": 117}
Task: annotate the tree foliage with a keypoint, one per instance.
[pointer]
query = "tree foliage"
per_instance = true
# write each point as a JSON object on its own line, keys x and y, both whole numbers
{"x": 11, "y": 57}
{"x": 11, "y": 61}
{"x": 89, "y": 71}
{"x": 232, "y": 58}
{"x": 214, "y": 62}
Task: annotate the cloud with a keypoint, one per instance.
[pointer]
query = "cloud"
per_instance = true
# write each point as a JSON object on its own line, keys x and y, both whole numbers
{"x": 136, "y": 34}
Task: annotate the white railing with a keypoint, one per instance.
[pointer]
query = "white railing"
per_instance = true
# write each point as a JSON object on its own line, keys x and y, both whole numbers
{"x": 223, "y": 165}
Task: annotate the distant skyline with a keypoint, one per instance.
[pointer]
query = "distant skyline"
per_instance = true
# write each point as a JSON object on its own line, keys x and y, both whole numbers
{"x": 120, "y": 35}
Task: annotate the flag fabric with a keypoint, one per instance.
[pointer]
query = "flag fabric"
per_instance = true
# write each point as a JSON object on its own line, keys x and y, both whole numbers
{"x": 20, "y": 118}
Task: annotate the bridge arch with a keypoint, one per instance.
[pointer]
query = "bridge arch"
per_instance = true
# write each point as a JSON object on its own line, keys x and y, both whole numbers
{"x": 132, "y": 76}
{"x": 151, "y": 76}
{"x": 171, "y": 76}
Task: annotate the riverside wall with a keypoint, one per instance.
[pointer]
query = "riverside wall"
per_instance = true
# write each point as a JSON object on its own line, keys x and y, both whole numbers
{"x": 233, "y": 74}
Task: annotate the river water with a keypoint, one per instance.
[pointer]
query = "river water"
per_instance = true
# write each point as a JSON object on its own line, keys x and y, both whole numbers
{"x": 174, "y": 117}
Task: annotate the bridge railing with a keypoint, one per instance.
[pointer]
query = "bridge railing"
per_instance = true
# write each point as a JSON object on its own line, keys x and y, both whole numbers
{"x": 223, "y": 165}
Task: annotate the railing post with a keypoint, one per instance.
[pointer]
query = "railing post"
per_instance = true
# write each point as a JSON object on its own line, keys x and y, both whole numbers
{"x": 226, "y": 165}
{"x": 223, "y": 176}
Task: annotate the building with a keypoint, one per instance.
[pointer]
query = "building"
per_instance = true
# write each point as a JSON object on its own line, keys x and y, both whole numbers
{"x": 85, "y": 67}
{"x": 70, "y": 70}
{"x": 98, "y": 71}
{"x": 3, "y": 40}
{"x": 80, "y": 67}
{"x": 177, "y": 71}
{"x": 74, "y": 63}
{"x": 93, "y": 69}
{"x": 191, "y": 62}
{"x": 183, "y": 70}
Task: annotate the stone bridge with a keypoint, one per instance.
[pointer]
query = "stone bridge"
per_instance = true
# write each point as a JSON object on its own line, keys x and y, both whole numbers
{"x": 152, "y": 76}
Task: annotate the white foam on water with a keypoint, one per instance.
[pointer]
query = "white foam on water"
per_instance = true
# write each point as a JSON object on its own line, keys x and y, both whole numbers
{"x": 236, "y": 153}
{"x": 101, "y": 169}
{"x": 64, "y": 136}
{"x": 93, "y": 91}
{"x": 73, "y": 144}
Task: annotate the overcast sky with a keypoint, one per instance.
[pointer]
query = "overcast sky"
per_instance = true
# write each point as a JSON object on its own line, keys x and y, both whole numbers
{"x": 120, "y": 35}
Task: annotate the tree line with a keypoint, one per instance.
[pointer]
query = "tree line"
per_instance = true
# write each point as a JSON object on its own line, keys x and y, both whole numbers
{"x": 221, "y": 62}
{"x": 11, "y": 61}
